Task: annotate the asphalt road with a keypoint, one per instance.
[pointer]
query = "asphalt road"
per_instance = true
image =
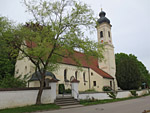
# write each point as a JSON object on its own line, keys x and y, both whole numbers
{"x": 128, "y": 106}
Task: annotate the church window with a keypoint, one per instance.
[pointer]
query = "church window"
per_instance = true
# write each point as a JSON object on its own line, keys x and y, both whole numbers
{"x": 110, "y": 83}
{"x": 92, "y": 73}
{"x": 76, "y": 75}
{"x": 84, "y": 77}
{"x": 94, "y": 83}
{"x": 101, "y": 34}
{"x": 65, "y": 74}
{"x": 108, "y": 33}
{"x": 25, "y": 68}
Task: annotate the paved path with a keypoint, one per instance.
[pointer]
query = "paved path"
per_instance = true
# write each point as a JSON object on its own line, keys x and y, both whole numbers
{"x": 128, "y": 106}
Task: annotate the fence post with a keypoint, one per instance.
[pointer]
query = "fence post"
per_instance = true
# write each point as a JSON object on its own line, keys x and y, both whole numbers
{"x": 74, "y": 88}
{"x": 52, "y": 84}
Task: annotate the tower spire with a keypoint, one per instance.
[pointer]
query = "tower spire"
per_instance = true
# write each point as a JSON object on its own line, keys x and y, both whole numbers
{"x": 101, "y": 7}
{"x": 103, "y": 18}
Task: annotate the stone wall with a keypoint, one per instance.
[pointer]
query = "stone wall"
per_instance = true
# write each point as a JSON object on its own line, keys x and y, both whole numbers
{"x": 103, "y": 95}
{"x": 24, "y": 96}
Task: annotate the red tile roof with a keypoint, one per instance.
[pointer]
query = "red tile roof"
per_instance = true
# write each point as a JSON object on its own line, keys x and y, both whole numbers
{"x": 93, "y": 63}
{"x": 30, "y": 44}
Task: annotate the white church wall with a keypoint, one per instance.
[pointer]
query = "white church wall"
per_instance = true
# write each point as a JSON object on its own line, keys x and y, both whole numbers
{"x": 18, "y": 98}
{"x": 106, "y": 82}
{"x": 99, "y": 80}
{"x": 123, "y": 94}
{"x": 34, "y": 84}
{"x": 83, "y": 85}
{"x": 98, "y": 96}
{"x": 22, "y": 67}
{"x": 103, "y": 95}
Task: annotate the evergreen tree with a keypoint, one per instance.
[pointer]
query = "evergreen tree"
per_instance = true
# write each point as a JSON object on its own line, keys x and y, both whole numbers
{"x": 129, "y": 71}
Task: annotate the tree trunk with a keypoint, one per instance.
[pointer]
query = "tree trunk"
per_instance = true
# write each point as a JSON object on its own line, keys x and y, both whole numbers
{"x": 38, "y": 99}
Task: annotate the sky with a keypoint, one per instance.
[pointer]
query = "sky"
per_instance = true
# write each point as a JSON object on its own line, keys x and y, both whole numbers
{"x": 130, "y": 20}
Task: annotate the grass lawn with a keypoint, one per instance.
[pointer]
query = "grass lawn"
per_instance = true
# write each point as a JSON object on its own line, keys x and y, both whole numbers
{"x": 31, "y": 108}
{"x": 94, "y": 102}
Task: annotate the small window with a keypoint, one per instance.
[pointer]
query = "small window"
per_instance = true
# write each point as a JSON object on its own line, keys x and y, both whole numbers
{"x": 108, "y": 33}
{"x": 84, "y": 77}
{"x": 25, "y": 68}
{"x": 92, "y": 73}
{"x": 65, "y": 74}
{"x": 76, "y": 75}
{"x": 110, "y": 83}
{"x": 94, "y": 83}
{"x": 101, "y": 34}
{"x": 17, "y": 71}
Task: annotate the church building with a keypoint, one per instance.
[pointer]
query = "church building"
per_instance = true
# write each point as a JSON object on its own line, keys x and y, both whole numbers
{"x": 94, "y": 75}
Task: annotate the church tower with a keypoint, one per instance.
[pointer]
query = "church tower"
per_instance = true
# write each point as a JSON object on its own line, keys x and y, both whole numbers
{"x": 105, "y": 37}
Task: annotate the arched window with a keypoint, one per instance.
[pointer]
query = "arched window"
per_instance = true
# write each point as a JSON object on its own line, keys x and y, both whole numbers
{"x": 65, "y": 74}
{"x": 110, "y": 83}
{"x": 108, "y": 33}
{"x": 76, "y": 75}
{"x": 84, "y": 77}
{"x": 101, "y": 34}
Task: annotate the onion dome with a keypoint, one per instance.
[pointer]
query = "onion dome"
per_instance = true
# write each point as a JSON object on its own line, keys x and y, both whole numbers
{"x": 103, "y": 18}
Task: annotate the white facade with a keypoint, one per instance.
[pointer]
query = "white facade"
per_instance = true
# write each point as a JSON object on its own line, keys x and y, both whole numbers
{"x": 85, "y": 83}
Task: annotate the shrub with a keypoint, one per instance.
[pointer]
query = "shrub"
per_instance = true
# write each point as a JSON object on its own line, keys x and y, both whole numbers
{"x": 112, "y": 95}
{"x": 90, "y": 90}
{"x": 107, "y": 88}
{"x": 133, "y": 92}
{"x": 61, "y": 88}
{"x": 68, "y": 91}
{"x": 12, "y": 82}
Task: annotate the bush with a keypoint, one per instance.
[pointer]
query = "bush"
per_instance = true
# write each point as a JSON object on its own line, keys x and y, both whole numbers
{"x": 112, "y": 95}
{"x": 61, "y": 88}
{"x": 133, "y": 92}
{"x": 12, "y": 82}
{"x": 90, "y": 90}
{"x": 68, "y": 91}
{"x": 107, "y": 88}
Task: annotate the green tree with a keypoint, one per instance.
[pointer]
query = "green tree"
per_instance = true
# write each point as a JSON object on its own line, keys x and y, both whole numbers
{"x": 128, "y": 74}
{"x": 7, "y": 52}
{"x": 12, "y": 82}
{"x": 145, "y": 76}
{"x": 54, "y": 33}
